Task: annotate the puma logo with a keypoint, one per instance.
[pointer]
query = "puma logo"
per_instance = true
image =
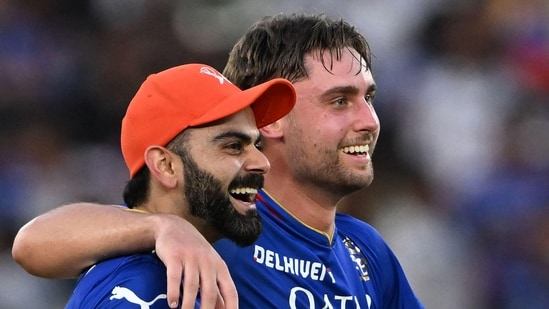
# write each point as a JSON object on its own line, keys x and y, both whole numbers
{"x": 121, "y": 292}
{"x": 214, "y": 73}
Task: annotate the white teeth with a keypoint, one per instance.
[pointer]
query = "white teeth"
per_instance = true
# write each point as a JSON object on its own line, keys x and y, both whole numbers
{"x": 356, "y": 149}
{"x": 244, "y": 191}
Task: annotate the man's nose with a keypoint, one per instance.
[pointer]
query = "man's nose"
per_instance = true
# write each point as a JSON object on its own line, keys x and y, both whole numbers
{"x": 257, "y": 162}
{"x": 366, "y": 118}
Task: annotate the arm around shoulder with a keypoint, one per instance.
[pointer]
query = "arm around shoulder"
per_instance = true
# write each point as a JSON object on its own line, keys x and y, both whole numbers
{"x": 64, "y": 241}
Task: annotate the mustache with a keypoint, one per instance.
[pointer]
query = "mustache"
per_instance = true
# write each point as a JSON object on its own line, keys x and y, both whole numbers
{"x": 249, "y": 180}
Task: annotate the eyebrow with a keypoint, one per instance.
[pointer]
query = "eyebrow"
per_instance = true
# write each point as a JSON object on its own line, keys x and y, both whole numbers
{"x": 346, "y": 90}
{"x": 235, "y": 134}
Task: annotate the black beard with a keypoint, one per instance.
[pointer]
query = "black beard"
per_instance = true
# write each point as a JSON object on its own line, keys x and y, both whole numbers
{"x": 207, "y": 200}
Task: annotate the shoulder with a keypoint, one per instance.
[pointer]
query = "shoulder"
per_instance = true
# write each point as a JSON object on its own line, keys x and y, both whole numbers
{"x": 351, "y": 226}
{"x": 386, "y": 271}
{"x": 143, "y": 263}
{"x": 369, "y": 241}
{"x": 120, "y": 282}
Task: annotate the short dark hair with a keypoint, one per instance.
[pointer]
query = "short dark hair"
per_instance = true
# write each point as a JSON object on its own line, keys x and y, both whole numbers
{"x": 276, "y": 46}
{"x": 136, "y": 191}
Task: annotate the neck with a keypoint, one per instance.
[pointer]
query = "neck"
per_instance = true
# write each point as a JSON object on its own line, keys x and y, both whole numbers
{"x": 166, "y": 205}
{"x": 311, "y": 205}
{"x": 206, "y": 229}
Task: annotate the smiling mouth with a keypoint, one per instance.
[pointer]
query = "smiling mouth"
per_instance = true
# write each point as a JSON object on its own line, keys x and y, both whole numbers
{"x": 245, "y": 194}
{"x": 356, "y": 150}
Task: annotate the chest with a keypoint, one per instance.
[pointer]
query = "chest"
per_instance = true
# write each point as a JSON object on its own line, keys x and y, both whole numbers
{"x": 306, "y": 274}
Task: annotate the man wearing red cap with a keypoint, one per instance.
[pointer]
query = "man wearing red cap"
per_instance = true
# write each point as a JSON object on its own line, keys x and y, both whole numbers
{"x": 189, "y": 140}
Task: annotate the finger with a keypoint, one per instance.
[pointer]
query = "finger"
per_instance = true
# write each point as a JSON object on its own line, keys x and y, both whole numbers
{"x": 220, "y": 304}
{"x": 227, "y": 288}
{"x": 208, "y": 288}
{"x": 173, "y": 277}
{"x": 191, "y": 282}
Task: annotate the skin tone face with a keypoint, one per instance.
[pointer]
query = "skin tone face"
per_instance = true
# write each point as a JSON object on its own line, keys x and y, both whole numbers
{"x": 223, "y": 170}
{"x": 330, "y": 135}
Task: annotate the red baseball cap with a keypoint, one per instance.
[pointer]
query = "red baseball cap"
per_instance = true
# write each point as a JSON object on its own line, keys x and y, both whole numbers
{"x": 190, "y": 95}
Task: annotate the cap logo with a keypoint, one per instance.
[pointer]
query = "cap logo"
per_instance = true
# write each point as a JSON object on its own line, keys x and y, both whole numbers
{"x": 214, "y": 73}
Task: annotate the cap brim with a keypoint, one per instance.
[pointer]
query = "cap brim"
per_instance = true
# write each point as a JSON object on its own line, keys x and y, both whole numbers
{"x": 270, "y": 101}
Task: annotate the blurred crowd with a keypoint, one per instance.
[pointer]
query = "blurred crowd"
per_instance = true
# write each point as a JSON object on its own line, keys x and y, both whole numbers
{"x": 461, "y": 191}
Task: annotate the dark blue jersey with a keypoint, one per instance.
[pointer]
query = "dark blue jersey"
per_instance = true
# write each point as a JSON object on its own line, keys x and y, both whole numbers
{"x": 134, "y": 281}
{"x": 292, "y": 265}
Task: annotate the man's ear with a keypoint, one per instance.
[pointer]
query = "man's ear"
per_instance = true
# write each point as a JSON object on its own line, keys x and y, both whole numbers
{"x": 273, "y": 130}
{"x": 161, "y": 164}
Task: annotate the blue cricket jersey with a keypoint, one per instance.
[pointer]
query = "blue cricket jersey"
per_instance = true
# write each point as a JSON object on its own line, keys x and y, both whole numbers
{"x": 294, "y": 266}
{"x": 133, "y": 281}
{"x": 289, "y": 266}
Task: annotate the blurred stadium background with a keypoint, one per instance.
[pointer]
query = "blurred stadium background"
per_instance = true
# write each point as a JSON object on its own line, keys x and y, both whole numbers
{"x": 462, "y": 167}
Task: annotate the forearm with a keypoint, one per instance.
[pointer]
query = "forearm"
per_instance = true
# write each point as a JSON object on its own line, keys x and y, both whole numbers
{"x": 63, "y": 242}
{"x": 66, "y": 240}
